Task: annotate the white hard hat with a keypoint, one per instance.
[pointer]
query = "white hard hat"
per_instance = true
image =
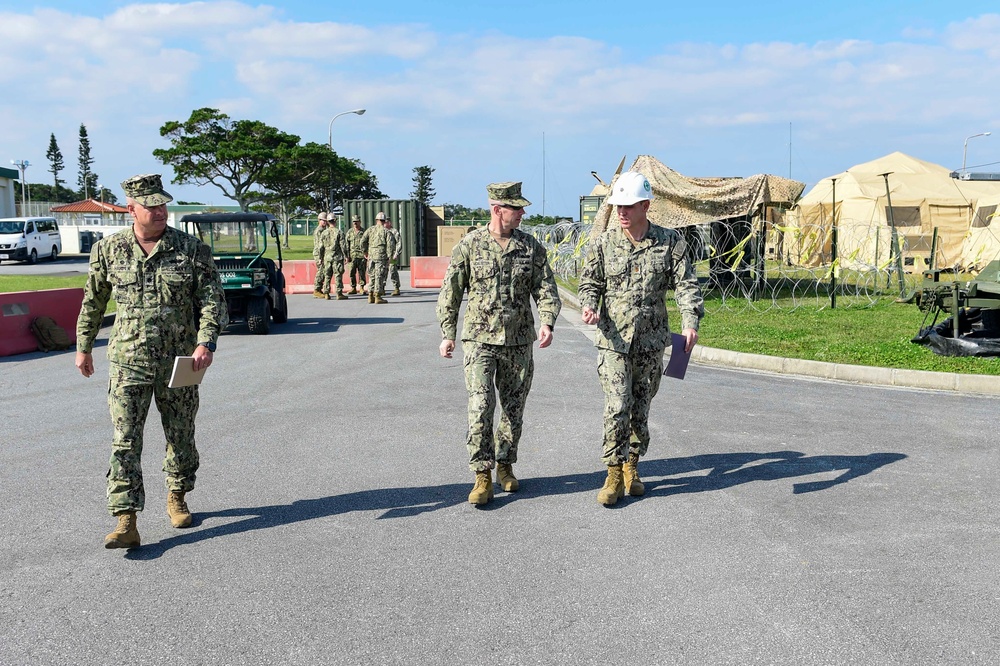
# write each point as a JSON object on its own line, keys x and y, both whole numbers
{"x": 630, "y": 187}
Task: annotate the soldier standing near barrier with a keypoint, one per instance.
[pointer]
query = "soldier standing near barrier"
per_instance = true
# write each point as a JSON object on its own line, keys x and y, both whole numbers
{"x": 319, "y": 256}
{"x": 356, "y": 255}
{"x": 333, "y": 259}
{"x": 623, "y": 287}
{"x": 502, "y": 268}
{"x": 170, "y": 303}
{"x": 378, "y": 245}
{"x": 394, "y": 260}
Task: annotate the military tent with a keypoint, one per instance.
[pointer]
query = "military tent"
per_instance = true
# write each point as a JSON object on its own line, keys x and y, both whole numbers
{"x": 682, "y": 201}
{"x": 982, "y": 243}
{"x": 924, "y": 197}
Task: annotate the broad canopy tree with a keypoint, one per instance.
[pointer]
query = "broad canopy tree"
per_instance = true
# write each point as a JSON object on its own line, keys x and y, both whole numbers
{"x": 256, "y": 164}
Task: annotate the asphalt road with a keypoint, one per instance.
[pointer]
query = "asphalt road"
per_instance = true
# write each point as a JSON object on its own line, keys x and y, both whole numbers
{"x": 787, "y": 521}
{"x": 71, "y": 264}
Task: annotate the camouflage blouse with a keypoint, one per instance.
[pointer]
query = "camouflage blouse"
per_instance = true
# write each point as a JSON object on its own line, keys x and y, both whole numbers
{"x": 629, "y": 284}
{"x": 501, "y": 283}
{"x": 168, "y": 301}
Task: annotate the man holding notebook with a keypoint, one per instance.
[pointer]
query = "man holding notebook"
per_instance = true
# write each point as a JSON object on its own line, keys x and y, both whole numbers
{"x": 623, "y": 287}
{"x": 170, "y": 303}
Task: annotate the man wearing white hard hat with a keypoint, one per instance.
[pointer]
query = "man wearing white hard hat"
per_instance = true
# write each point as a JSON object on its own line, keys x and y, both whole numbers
{"x": 623, "y": 287}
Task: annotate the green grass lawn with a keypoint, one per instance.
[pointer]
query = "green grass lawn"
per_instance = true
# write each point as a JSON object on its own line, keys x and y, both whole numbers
{"x": 876, "y": 336}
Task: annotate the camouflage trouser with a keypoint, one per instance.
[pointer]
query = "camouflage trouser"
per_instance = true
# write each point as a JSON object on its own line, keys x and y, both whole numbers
{"x": 358, "y": 272}
{"x": 332, "y": 270}
{"x": 394, "y": 273}
{"x": 377, "y": 275}
{"x": 129, "y": 393}
{"x": 509, "y": 370}
{"x": 629, "y": 381}
{"x": 318, "y": 283}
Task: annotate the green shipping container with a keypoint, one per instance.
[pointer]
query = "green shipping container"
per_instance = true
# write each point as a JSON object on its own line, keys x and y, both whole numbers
{"x": 407, "y": 215}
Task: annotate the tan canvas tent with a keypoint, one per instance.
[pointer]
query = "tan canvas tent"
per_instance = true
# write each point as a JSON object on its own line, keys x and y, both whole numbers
{"x": 982, "y": 243}
{"x": 924, "y": 197}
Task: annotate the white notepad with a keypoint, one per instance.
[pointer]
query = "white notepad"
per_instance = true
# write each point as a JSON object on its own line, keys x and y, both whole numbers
{"x": 184, "y": 373}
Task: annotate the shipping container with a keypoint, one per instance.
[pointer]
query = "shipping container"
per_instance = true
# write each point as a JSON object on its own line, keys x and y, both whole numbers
{"x": 407, "y": 215}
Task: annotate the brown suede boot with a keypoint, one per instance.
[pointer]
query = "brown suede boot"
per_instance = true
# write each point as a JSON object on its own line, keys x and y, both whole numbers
{"x": 317, "y": 293}
{"x": 126, "y": 535}
{"x": 379, "y": 299}
{"x": 353, "y": 290}
{"x": 395, "y": 292}
{"x": 371, "y": 296}
{"x": 482, "y": 492}
{"x": 177, "y": 509}
{"x": 614, "y": 487}
{"x": 341, "y": 296}
{"x": 630, "y": 470}
{"x": 506, "y": 478}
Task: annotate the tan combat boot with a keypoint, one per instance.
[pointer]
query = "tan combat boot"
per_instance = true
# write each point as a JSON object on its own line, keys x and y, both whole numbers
{"x": 353, "y": 290}
{"x": 395, "y": 292}
{"x": 614, "y": 487}
{"x": 126, "y": 535}
{"x": 371, "y": 296}
{"x": 633, "y": 485}
{"x": 482, "y": 492}
{"x": 506, "y": 478}
{"x": 326, "y": 297}
{"x": 177, "y": 509}
{"x": 317, "y": 293}
{"x": 379, "y": 299}
{"x": 341, "y": 296}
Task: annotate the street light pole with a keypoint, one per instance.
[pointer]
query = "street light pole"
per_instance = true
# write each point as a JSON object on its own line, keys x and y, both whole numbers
{"x": 22, "y": 165}
{"x": 329, "y": 140}
{"x": 965, "y": 148}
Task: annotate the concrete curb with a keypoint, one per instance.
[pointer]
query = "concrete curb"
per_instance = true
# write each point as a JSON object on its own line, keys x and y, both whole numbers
{"x": 841, "y": 372}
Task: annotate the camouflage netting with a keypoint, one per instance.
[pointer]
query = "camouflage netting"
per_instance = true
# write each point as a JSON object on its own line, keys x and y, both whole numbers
{"x": 681, "y": 201}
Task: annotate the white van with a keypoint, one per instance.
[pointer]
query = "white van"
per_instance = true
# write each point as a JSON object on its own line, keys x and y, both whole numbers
{"x": 28, "y": 238}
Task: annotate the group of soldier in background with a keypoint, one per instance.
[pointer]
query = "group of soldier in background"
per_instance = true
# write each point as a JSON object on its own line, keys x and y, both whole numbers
{"x": 370, "y": 254}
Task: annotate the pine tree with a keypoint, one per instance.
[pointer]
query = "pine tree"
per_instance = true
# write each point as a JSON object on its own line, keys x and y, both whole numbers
{"x": 422, "y": 190}
{"x": 86, "y": 179}
{"x": 56, "y": 162}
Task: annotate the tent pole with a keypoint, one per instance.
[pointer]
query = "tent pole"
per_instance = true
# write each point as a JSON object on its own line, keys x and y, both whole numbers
{"x": 833, "y": 249}
{"x": 895, "y": 237}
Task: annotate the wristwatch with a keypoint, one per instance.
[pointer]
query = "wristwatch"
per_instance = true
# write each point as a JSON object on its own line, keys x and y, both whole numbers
{"x": 210, "y": 346}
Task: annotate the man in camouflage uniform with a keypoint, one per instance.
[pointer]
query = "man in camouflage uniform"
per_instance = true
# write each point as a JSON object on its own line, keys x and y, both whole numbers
{"x": 623, "y": 287}
{"x": 333, "y": 258}
{"x": 356, "y": 255}
{"x": 502, "y": 268}
{"x": 394, "y": 259}
{"x": 319, "y": 256}
{"x": 170, "y": 303}
{"x": 378, "y": 245}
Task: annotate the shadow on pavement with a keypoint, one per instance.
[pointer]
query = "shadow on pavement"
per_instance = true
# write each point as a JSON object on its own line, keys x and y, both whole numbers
{"x": 724, "y": 471}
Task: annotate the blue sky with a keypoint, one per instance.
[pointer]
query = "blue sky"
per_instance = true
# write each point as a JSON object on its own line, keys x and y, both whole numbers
{"x": 711, "y": 89}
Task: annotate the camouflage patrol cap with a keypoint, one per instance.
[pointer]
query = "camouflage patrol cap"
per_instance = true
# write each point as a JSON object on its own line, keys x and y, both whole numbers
{"x": 355, "y": 219}
{"x": 380, "y": 216}
{"x": 508, "y": 194}
{"x": 323, "y": 217}
{"x": 147, "y": 190}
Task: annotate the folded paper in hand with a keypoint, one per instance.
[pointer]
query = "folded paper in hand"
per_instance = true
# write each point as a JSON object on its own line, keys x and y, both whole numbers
{"x": 678, "y": 363}
{"x": 184, "y": 373}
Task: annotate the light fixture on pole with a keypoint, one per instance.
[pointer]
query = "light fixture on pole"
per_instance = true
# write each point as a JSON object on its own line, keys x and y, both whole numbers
{"x": 329, "y": 141}
{"x": 22, "y": 165}
{"x": 329, "y": 137}
{"x": 965, "y": 148}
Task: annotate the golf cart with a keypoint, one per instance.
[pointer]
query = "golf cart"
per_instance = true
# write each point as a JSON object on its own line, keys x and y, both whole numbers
{"x": 253, "y": 283}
